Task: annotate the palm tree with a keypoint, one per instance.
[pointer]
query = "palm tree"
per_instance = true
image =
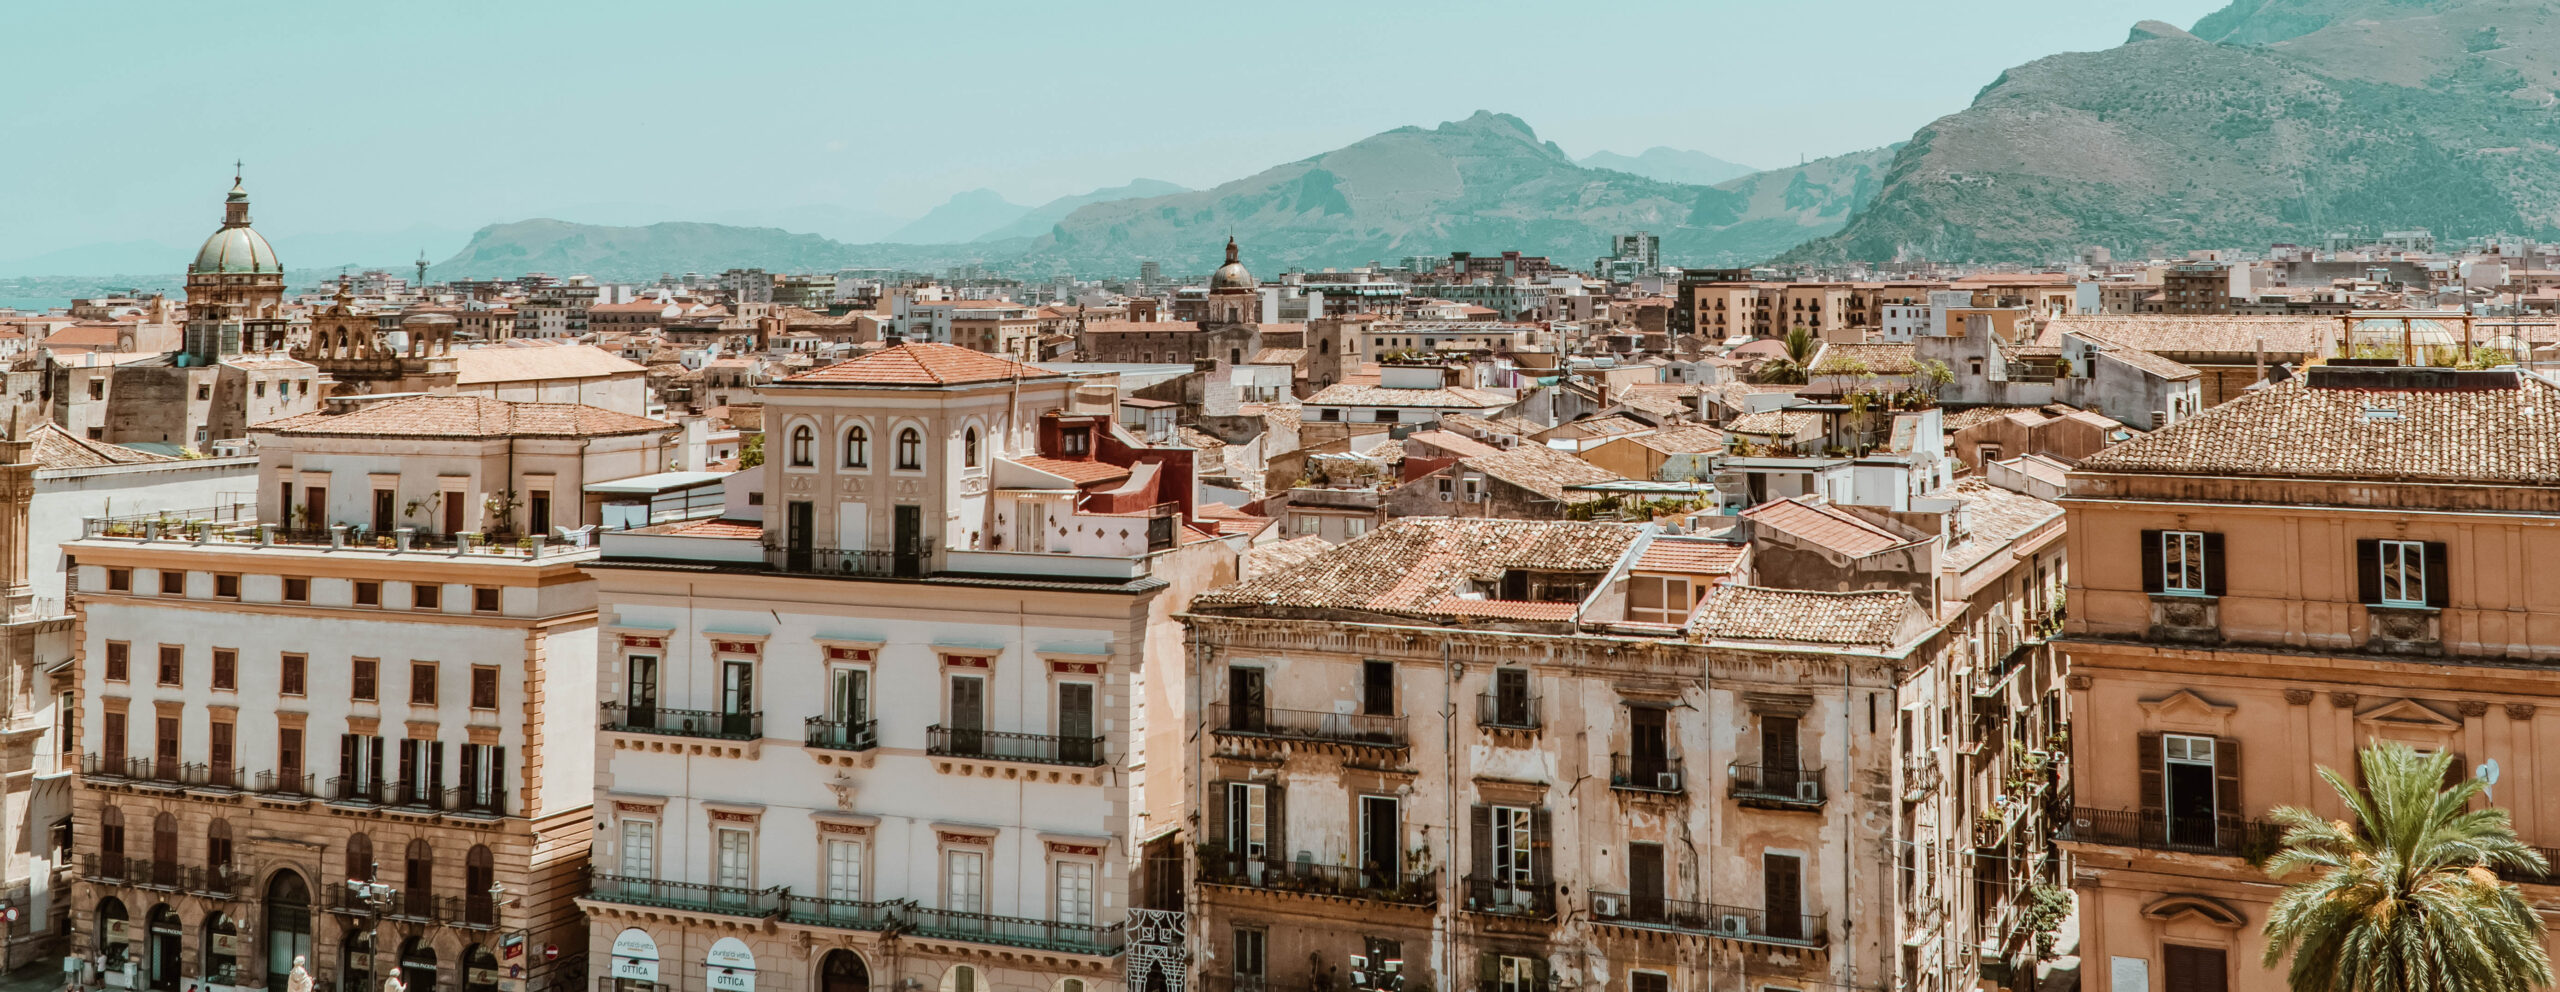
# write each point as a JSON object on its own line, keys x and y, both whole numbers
{"x": 2407, "y": 898}
{"x": 1797, "y": 364}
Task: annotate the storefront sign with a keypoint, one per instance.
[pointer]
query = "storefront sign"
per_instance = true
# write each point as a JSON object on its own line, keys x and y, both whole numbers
{"x": 635, "y": 956}
{"x": 730, "y": 966}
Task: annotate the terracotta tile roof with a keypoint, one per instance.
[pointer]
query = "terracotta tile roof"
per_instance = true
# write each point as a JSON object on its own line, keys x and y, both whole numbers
{"x": 1542, "y": 470}
{"x": 1451, "y": 443}
{"x": 2463, "y": 434}
{"x": 1881, "y": 359}
{"x": 1691, "y": 557}
{"x": 1788, "y": 424}
{"x": 1679, "y": 439}
{"x": 53, "y": 447}
{"x": 1446, "y": 398}
{"x": 466, "y": 416}
{"x": 475, "y": 366}
{"x": 1993, "y": 517}
{"x": 1264, "y": 559}
{"x": 254, "y": 364}
{"x": 1078, "y": 472}
{"x": 2232, "y": 336}
{"x": 2140, "y": 359}
{"x": 731, "y": 529}
{"x": 1755, "y": 613}
{"x": 1279, "y": 356}
{"x": 1823, "y": 525}
{"x": 1955, "y": 420}
{"x": 1508, "y": 609}
{"x": 1481, "y": 426}
{"x": 922, "y": 365}
{"x": 1411, "y": 565}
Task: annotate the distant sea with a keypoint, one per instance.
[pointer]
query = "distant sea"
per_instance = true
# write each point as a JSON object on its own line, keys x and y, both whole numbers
{"x": 33, "y": 304}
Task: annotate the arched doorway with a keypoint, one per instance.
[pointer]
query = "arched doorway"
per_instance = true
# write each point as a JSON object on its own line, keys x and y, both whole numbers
{"x": 479, "y": 970}
{"x": 221, "y": 950}
{"x": 288, "y": 912}
{"x": 165, "y": 938}
{"x": 843, "y": 971}
{"x": 115, "y": 937}
{"x": 355, "y": 959}
{"x": 417, "y": 965}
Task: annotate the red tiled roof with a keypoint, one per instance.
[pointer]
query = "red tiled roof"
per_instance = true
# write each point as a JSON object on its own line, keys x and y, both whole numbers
{"x": 467, "y": 416}
{"x": 1691, "y": 557}
{"x": 922, "y": 365}
{"x": 1508, "y": 609}
{"x": 1079, "y": 472}
{"x": 1823, "y": 525}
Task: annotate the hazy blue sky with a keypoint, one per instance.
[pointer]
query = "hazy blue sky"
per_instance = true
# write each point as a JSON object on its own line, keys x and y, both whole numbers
{"x": 122, "y": 119}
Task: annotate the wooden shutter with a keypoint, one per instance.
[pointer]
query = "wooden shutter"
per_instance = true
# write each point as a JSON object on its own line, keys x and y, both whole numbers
{"x": 470, "y": 772}
{"x": 373, "y": 764}
{"x": 2439, "y": 576}
{"x": 2456, "y": 772}
{"x": 2368, "y": 571}
{"x": 2152, "y": 566}
{"x": 1274, "y": 814}
{"x": 1488, "y": 967}
{"x": 409, "y": 769}
{"x": 2226, "y": 781}
{"x": 2155, "y": 799}
{"x": 2213, "y": 564}
{"x": 435, "y": 768}
{"x": 1480, "y": 841}
{"x": 347, "y": 758}
{"x": 1541, "y": 848}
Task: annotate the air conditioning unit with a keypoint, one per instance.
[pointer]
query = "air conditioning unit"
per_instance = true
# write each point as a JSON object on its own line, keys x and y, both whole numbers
{"x": 1475, "y": 497}
{"x": 1445, "y": 497}
{"x": 1667, "y": 781}
{"x": 1734, "y": 924}
{"x": 1808, "y": 791}
{"x": 1606, "y": 907}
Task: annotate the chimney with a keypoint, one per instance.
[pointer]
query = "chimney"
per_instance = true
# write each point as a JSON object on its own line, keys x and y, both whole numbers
{"x": 693, "y": 450}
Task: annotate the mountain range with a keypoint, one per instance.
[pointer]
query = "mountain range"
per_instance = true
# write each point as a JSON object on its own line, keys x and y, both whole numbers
{"x": 1485, "y": 183}
{"x": 1671, "y": 165}
{"x": 2272, "y": 121}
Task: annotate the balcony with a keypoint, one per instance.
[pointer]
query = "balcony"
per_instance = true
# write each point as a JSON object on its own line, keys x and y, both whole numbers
{"x": 1496, "y": 712}
{"x": 1014, "y": 931}
{"x": 842, "y": 735}
{"x": 672, "y": 722}
{"x": 858, "y": 564}
{"x": 1653, "y": 775}
{"x": 1510, "y": 897}
{"x": 2152, "y": 830}
{"x": 283, "y": 785}
{"x": 472, "y": 912}
{"x": 1039, "y": 749}
{"x": 1711, "y": 919}
{"x": 842, "y": 914}
{"x": 357, "y": 791}
{"x": 1336, "y": 881}
{"x": 696, "y": 897}
{"x": 1321, "y": 726}
{"x": 1776, "y": 786}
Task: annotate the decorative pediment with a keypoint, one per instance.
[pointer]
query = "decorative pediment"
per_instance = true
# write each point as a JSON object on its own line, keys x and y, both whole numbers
{"x": 2186, "y": 710}
{"x": 2407, "y": 715}
{"x": 2177, "y": 906}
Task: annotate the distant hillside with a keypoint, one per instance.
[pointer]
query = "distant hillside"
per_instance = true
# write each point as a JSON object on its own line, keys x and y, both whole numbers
{"x": 629, "y": 253}
{"x": 2274, "y": 120}
{"x": 1482, "y": 184}
{"x": 1671, "y": 165}
{"x": 1037, "y": 221}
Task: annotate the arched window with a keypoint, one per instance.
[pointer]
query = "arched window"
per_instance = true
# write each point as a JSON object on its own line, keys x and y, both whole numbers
{"x": 1324, "y": 347}
{"x": 164, "y": 849}
{"x": 803, "y": 439}
{"x": 355, "y": 950}
{"x": 479, "y": 879}
{"x": 359, "y": 858}
{"x": 418, "y": 884}
{"x": 165, "y": 936}
{"x": 969, "y": 448}
{"x": 910, "y": 449}
{"x": 479, "y": 970}
{"x": 843, "y": 971}
{"x": 857, "y": 447}
{"x": 288, "y": 914}
{"x": 111, "y": 841}
{"x": 418, "y": 964}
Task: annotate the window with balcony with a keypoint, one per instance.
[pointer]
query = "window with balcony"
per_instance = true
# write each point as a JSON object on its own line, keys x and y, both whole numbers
{"x": 1377, "y": 688}
{"x": 359, "y": 768}
{"x": 1248, "y": 820}
{"x": 2189, "y": 788}
{"x": 1247, "y": 708}
{"x": 844, "y": 870}
{"x": 964, "y": 881}
{"x": 421, "y": 772}
{"x": 1782, "y": 896}
{"x": 289, "y": 756}
{"x": 1072, "y": 885}
{"x": 218, "y": 754}
{"x": 484, "y": 778}
{"x": 639, "y": 849}
{"x": 1511, "y": 859}
{"x": 2182, "y": 562}
{"x": 734, "y": 865}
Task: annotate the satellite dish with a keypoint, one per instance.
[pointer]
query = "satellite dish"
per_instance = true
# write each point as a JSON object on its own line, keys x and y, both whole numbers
{"x": 2487, "y": 773}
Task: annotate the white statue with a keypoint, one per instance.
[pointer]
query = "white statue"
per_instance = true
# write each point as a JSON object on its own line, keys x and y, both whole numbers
{"x": 394, "y": 984}
{"x": 300, "y": 979}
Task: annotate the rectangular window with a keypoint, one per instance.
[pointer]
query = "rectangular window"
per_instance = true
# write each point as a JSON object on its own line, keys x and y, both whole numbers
{"x": 368, "y": 594}
{"x": 484, "y": 776}
{"x": 119, "y": 661}
{"x": 1782, "y": 895}
{"x": 2182, "y": 562}
{"x": 426, "y": 596}
{"x": 964, "y": 881}
{"x": 844, "y": 870}
{"x": 1075, "y": 892}
{"x": 2404, "y": 573}
{"x": 226, "y": 586}
{"x": 289, "y": 674}
{"x": 111, "y": 741}
{"x": 1515, "y": 974}
{"x": 289, "y": 756}
{"x": 297, "y": 590}
{"x": 1248, "y": 957}
{"x": 1248, "y": 820}
{"x": 484, "y": 687}
{"x": 226, "y": 669}
{"x": 1378, "y": 688}
{"x": 484, "y": 599}
{"x": 218, "y": 751}
{"x": 2188, "y": 779}
{"x": 422, "y": 683}
{"x": 119, "y": 580}
{"x": 736, "y": 868}
{"x": 173, "y": 664}
{"x": 1512, "y": 842}
{"x": 639, "y": 849}
{"x": 173, "y": 582}
{"x": 363, "y": 677}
